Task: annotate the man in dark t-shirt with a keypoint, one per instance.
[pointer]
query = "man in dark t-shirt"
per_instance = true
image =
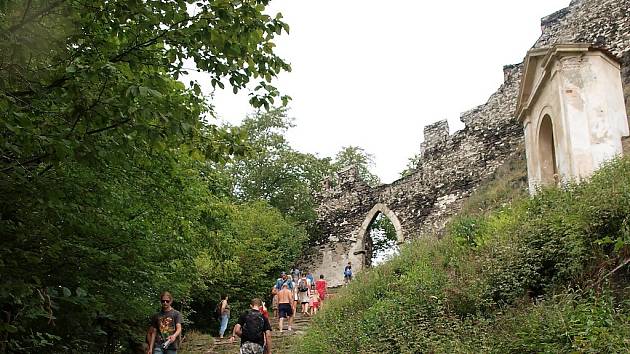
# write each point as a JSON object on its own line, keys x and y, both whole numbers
{"x": 166, "y": 326}
{"x": 254, "y": 330}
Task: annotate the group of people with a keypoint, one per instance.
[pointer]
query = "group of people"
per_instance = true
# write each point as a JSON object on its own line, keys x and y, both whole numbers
{"x": 297, "y": 288}
{"x": 253, "y": 326}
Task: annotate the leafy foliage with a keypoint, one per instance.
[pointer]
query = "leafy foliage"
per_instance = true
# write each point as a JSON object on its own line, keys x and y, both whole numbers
{"x": 112, "y": 187}
{"x": 275, "y": 172}
{"x": 382, "y": 235}
{"x": 354, "y": 155}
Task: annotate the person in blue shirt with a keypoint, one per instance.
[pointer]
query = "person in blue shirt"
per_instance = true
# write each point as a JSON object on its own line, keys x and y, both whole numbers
{"x": 347, "y": 273}
{"x": 311, "y": 280}
{"x": 284, "y": 279}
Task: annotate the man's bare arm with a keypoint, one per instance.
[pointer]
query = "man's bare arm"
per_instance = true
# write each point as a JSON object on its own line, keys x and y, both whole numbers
{"x": 150, "y": 339}
{"x": 236, "y": 332}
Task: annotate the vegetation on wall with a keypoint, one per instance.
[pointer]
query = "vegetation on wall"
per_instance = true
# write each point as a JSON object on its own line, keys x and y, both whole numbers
{"x": 548, "y": 273}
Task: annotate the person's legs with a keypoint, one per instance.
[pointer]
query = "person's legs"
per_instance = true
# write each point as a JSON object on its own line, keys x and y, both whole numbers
{"x": 291, "y": 316}
{"x": 283, "y": 312}
{"x": 158, "y": 350}
{"x": 224, "y": 323}
{"x": 305, "y": 308}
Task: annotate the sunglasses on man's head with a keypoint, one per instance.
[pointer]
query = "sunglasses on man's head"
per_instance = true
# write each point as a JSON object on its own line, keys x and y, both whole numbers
{"x": 165, "y": 301}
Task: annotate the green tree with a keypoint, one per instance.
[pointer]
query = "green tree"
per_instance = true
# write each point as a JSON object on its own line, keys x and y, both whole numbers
{"x": 354, "y": 155}
{"x": 274, "y": 171}
{"x": 107, "y": 195}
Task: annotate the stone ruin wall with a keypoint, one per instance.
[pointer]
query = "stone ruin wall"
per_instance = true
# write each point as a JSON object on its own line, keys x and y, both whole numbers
{"x": 451, "y": 166}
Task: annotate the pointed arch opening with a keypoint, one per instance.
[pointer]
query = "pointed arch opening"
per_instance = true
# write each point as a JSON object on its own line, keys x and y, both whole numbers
{"x": 547, "y": 152}
{"x": 381, "y": 234}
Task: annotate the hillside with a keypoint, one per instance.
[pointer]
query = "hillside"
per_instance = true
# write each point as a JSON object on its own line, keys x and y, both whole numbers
{"x": 513, "y": 274}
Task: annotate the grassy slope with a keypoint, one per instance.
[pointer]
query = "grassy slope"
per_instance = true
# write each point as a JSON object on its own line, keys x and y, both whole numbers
{"x": 513, "y": 274}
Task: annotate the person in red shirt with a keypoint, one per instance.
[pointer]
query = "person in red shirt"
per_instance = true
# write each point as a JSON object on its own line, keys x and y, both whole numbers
{"x": 321, "y": 287}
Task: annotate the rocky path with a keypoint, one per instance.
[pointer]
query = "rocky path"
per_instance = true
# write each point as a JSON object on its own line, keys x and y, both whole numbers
{"x": 281, "y": 342}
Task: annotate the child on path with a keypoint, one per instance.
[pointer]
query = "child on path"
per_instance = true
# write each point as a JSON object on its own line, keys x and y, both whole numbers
{"x": 314, "y": 302}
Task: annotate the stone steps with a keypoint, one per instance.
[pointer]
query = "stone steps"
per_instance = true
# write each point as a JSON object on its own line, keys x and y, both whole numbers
{"x": 281, "y": 342}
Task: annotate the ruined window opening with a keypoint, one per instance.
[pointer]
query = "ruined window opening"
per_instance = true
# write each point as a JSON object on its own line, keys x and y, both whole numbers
{"x": 547, "y": 150}
{"x": 381, "y": 240}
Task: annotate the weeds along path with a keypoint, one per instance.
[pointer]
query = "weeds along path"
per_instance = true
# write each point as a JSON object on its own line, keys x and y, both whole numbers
{"x": 281, "y": 342}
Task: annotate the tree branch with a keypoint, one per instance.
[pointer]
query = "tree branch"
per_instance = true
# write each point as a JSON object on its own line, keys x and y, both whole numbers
{"x": 115, "y": 125}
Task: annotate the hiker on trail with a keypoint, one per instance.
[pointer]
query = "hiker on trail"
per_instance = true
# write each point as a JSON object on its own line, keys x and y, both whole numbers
{"x": 314, "y": 302}
{"x": 296, "y": 274}
{"x": 225, "y": 315}
{"x": 284, "y": 279}
{"x": 285, "y": 298}
{"x": 166, "y": 326}
{"x": 311, "y": 280}
{"x": 321, "y": 287}
{"x": 296, "y": 299}
{"x": 254, "y": 330}
{"x": 347, "y": 273}
{"x": 304, "y": 294}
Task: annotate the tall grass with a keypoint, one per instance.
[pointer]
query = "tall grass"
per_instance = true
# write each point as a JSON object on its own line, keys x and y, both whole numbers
{"x": 518, "y": 275}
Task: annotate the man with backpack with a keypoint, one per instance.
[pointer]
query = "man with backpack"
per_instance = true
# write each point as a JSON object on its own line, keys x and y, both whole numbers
{"x": 254, "y": 330}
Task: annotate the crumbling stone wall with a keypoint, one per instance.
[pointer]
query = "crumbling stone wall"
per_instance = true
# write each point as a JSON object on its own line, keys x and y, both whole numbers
{"x": 451, "y": 166}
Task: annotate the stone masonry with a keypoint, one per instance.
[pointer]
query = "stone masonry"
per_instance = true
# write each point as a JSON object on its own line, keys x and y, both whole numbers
{"x": 451, "y": 166}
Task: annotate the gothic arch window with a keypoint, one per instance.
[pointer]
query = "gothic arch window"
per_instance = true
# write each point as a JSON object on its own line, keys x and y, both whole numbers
{"x": 547, "y": 152}
{"x": 366, "y": 242}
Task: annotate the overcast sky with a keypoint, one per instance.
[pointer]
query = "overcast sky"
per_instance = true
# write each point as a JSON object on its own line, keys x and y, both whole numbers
{"x": 374, "y": 73}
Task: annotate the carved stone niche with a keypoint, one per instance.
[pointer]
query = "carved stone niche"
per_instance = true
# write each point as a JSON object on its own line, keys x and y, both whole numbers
{"x": 572, "y": 109}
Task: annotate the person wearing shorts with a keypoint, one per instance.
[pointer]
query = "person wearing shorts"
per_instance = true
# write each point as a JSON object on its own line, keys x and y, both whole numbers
{"x": 285, "y": 310}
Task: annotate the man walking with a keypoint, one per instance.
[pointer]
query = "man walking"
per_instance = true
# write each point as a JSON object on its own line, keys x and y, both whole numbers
{"x": 254, "y": 330}
{"x": 347, "y": 273}
{"x": 166, "y": 326}
{"x": 285, "y": 298}
{"x": 284, "y": 279}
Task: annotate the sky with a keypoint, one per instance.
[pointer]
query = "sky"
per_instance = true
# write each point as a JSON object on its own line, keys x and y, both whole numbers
{"x": 373, "y": 73}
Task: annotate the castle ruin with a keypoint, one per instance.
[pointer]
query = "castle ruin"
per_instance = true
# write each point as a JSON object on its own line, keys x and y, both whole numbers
{"x": 452, "y": 166}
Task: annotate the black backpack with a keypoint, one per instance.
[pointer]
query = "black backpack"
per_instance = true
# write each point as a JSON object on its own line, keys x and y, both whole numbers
{"x": 253, "y": 327}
